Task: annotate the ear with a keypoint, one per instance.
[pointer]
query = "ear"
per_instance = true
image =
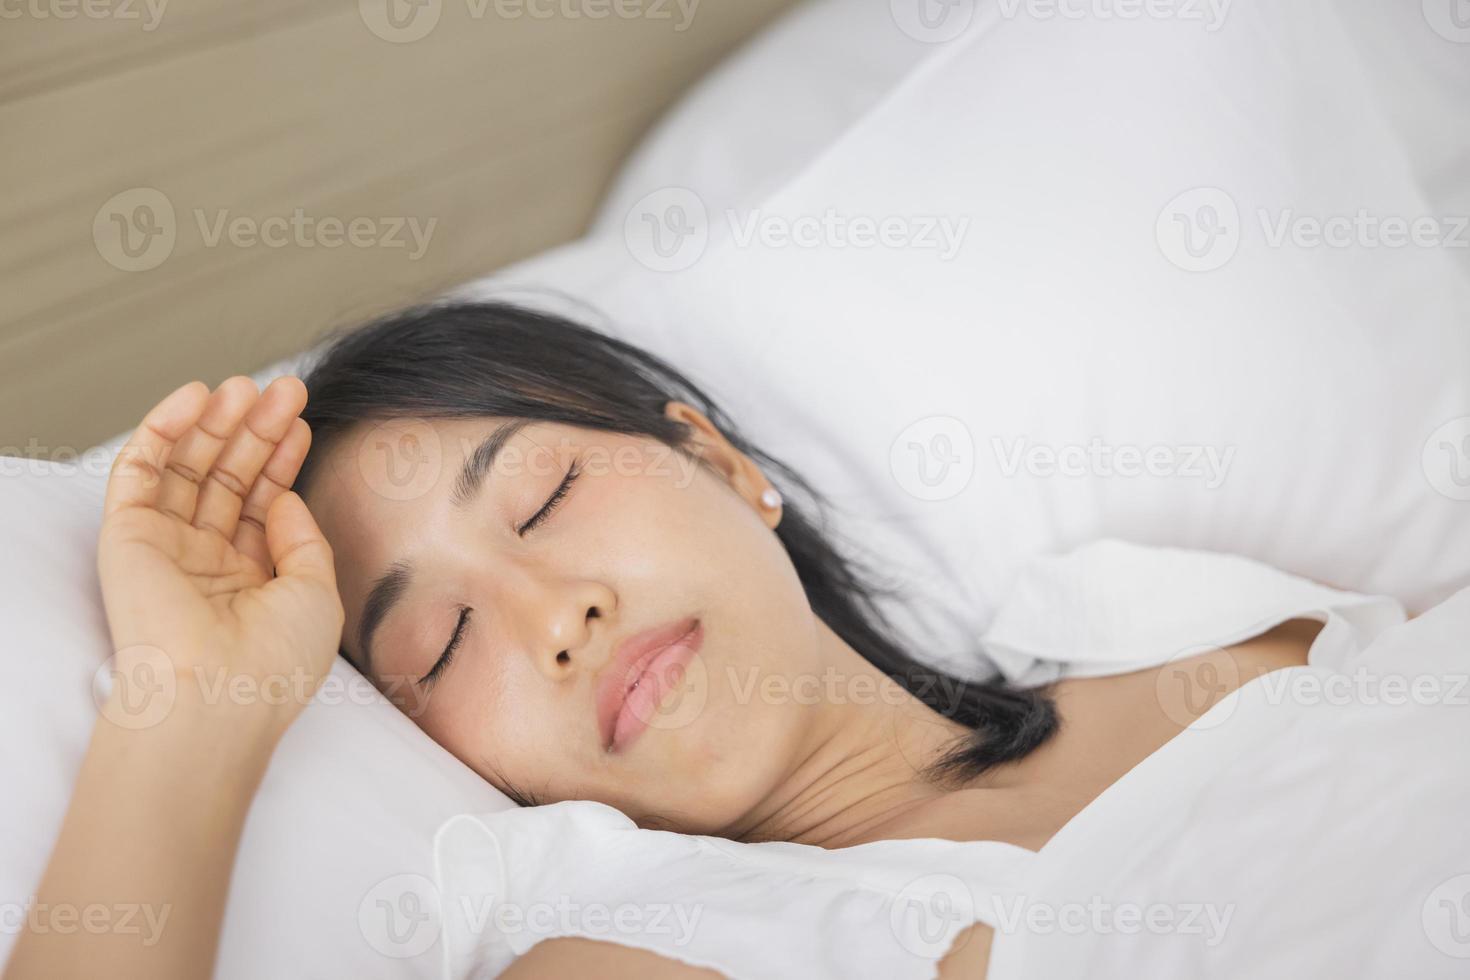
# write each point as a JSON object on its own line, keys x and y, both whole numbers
{"x": 738, "y": 469}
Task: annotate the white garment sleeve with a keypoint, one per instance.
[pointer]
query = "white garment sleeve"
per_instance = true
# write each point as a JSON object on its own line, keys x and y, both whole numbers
{"x": 775, "y": 909}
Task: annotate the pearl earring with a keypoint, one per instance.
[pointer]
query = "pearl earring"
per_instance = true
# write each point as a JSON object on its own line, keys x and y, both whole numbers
{"x": 771, "y": 498}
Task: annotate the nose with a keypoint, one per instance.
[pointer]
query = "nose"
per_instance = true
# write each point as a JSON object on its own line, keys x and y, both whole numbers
{"x": 564, "y": 634}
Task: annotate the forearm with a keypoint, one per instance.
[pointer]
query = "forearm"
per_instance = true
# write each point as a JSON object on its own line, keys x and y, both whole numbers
{"x": 137, "y": 882}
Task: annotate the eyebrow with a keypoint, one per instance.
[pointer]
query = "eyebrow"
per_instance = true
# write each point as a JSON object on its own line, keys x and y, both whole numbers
{"x": 390, "y": 587}
{"x": 384, "y": 594}
{"x": 479, "y": 462}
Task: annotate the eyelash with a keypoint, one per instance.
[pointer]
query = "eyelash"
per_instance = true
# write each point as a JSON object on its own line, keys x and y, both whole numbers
{"x": 427, "y": 681}
{"x": 561, "y": 491}
{"x": 539, "y": 518}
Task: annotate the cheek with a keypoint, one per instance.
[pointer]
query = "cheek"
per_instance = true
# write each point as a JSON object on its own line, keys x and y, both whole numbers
{"x": 676, "y": 531}
{"x": 486, "y": 714}
{"x": 701, "y": 548}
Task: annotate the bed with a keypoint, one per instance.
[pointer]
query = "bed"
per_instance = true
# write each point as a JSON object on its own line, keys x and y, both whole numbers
{"x": 1125, "y": 331}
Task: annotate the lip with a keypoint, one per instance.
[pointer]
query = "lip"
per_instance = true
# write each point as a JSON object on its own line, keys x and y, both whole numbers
{"x": 654, "y": 654}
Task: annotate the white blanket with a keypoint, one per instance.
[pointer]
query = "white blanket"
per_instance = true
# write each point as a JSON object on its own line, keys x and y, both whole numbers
{"x": 1312, "y": 825}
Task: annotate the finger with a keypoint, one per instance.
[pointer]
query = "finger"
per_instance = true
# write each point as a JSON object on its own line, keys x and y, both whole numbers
{"x": 279, "y": 473}
{"x": 196, "y": 450}
{"x": 297, "y": 547}
{"x": 230, "y": 479}
{"x": 137, "y": 471}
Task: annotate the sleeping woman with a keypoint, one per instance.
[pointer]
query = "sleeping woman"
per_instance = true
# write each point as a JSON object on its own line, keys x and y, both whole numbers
{"x": 554, "y": 553}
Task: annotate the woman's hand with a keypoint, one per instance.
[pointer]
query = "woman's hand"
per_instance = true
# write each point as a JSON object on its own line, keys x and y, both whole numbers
{"x": 214, "y": 573}
{"x": 218, "y": 584}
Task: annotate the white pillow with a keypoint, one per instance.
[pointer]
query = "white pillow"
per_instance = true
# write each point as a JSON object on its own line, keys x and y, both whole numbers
{"x": 769, "y": 107}
{"x": 1066, "y": 156}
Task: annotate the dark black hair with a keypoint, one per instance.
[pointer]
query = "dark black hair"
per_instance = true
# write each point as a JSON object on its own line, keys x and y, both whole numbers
{"x": 469, "y": 360}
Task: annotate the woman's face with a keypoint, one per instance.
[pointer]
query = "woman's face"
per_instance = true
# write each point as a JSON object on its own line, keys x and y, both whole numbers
{"x": 642, "y": 539}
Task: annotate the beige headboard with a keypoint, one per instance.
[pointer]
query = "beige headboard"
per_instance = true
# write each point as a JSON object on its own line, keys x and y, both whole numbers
{"x": 267, "y": 127}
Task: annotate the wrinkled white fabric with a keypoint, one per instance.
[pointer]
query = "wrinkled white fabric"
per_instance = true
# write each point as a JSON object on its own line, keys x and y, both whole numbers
{"x": 1312, "y": 824}
{"x": 771, "y": 909}
{"x": 1113, "y": 606}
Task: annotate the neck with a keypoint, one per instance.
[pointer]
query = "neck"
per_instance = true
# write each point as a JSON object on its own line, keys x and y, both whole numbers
{"x": 861, "y": 765}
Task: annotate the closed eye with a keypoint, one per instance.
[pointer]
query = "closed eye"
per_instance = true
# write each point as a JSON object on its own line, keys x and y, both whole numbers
{"x": 427, "y": 681}
{"x": 556, "y": 498}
